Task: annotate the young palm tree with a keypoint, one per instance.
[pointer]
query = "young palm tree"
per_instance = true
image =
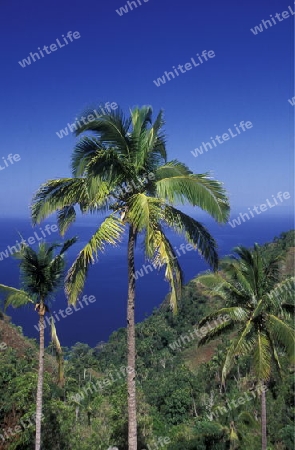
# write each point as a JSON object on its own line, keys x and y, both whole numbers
{"x": 41, "y": 274}
{"x": 258, "y": 308}
{"x": 122, "y": 169}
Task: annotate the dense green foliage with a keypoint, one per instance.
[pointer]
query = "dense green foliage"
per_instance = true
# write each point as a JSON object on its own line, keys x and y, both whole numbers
{"x": 178, "y": 397}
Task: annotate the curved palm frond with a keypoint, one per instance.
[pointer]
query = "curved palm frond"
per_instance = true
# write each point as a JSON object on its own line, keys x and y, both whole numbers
{"x": 218, "y": 330}
{"x": 220, "y": 286}
{"x": 14, "y": 297}
{"x": 109, "y": 232}
{"x": 68, "y": 244}
{"x": 65, "y": 217}
{"x": 195, "y": 233}
{"x": 283, "y": 333}
{"x": 171, "y": 169}
{"x": 197, "y": 190}
{"x": 83, "y": 153}
{"x": 164, "y": 255}
{"x": 57, "y": 194}
{"x": 236, "y": 314}
{"x": 111, "y": 128}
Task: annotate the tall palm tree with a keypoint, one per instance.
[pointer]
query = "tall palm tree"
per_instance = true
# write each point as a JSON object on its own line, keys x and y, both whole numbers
{"x": 122, "y": 169}
{"x": 258, "y": 306}
{"x": 42, "y": 273}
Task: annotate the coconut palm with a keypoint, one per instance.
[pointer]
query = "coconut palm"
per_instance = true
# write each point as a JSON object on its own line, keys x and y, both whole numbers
{"x": 42, "y": 273}
{"x": 121, "y": 168}
{"x": 258, "y": 307}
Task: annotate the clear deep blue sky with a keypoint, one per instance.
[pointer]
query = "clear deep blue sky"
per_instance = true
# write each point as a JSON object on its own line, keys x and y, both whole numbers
{"x": 117, "y": 58}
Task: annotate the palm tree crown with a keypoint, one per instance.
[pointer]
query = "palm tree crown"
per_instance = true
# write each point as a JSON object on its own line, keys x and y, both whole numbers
{"x": 42, "y": 273}
{"x": 258, "y": 309}
{"x": 108, "y": 170}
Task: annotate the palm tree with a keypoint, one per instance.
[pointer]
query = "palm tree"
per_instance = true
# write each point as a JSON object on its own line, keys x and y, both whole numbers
{"x": 122, "y": 169}
{"x": 41, "y": 274}
{"x": 258, "y": 308}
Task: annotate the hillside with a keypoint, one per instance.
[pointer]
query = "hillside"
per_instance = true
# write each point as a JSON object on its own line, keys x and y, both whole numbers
{"x": 178, "y": 384}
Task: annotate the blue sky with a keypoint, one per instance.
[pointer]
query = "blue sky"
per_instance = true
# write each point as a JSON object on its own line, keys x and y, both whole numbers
{"x": 117, "y": 58}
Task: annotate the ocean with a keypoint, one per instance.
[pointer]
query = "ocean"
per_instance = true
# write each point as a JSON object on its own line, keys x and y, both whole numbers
{"x": 107, "y": 279}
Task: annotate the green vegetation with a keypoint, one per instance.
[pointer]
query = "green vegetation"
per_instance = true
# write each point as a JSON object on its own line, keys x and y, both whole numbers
{"x": 258, "y": 308}
{"x": 41, "y": 275}
{"x": 122, "y": 169}
{"x": 180, "y": 385}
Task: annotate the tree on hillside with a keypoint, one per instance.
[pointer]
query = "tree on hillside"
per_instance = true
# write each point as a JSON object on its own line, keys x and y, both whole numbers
{"x": 42, "y": 273}
{"x": 259, "y": 312}
{"x": 122, "y": 169}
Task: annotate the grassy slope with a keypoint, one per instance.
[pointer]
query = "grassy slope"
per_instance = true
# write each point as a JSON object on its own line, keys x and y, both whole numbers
{"x": 21, "y": 344}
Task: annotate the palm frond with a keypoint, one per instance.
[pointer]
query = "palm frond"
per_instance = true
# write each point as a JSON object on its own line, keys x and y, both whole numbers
{"x": 68, "y": 244}
{"x": 198, "y": 190}
{"x": 164, "y": 255}
{"x": 221, "y": 286}
{"x": 65, "y": 217}
{"x": 57, "y": 194}
{"x": 262, "y": 357}
{"x": 84, "y": 151}
{"x": 111, "y": 129}
{"x": 216, "y": 331}
{"x": 14, "y": 297}
{"x": 283, "y": 334}
{"x": 141, "y": 210}
{"x": 238, "y": 347}
{"x": 235, "y": 313}
{"x": 195, "y": 233}
{"x": 109, "y": 232}
{"x": 172, "y": 168}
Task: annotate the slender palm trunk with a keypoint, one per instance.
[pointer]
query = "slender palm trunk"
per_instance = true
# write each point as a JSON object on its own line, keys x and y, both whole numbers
{"x": 263, "y": 420}
{"x": 40, "y": 382}
{"x": 132, "y": 422}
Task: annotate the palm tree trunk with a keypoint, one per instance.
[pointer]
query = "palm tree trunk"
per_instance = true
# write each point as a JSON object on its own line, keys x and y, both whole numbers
{"x": 263, "y": 420}
{"x": 132, "y": 422}
{"x": 40, "y": 382}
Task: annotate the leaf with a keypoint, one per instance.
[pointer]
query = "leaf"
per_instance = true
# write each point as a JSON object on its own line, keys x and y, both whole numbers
{"x": 109, "y": 232}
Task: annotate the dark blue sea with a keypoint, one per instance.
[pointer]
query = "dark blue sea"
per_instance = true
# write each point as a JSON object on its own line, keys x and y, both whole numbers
{"x": 107, "y": 279}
